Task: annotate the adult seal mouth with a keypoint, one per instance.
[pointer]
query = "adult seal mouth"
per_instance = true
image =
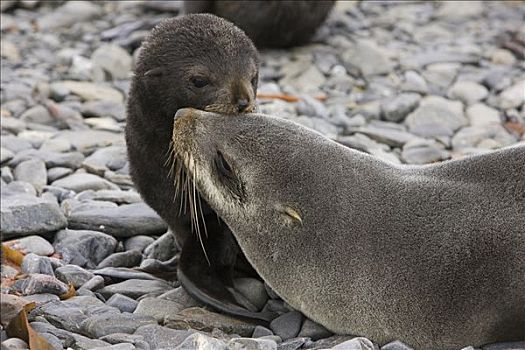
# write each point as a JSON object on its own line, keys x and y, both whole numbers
{"x": 199, "y": 61}
{"x": 433, "y": 255}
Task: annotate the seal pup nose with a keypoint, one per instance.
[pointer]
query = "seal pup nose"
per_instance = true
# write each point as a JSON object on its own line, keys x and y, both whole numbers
{"x": 242, "y": 104}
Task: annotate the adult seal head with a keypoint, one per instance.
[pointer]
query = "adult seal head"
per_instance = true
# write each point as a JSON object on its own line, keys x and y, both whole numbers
{"x": 432, "y": 255}
{"x": 270, "y": 23}
{"x": 205, "y": 62}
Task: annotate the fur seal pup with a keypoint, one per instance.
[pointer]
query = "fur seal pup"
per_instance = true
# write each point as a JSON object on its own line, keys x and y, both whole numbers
{"x": 277, "y": 24}
{"x": 431, "y": 255}
{"x": 200, "y": 61}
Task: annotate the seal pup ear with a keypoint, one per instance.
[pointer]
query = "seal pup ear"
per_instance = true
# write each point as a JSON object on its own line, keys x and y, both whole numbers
{"x": 154, "y": 73}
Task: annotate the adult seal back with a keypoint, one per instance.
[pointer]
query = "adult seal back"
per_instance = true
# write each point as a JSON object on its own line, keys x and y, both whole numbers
{"x": 278, "y": 24}
{"x": 431, "y": 255}
{"x": 205, "y": 62}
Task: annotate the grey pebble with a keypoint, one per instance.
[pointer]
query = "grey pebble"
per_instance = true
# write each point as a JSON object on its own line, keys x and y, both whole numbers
{"x": 99, "y": 326}
{"x": 123, "y": 303}
{"x": 119, "y": 197}
{"x": 358, "y": 343}
{"x": 293, "y": 344}
{"x": 93, "y": 284}
{"x": 7, "y": 175}
{"x": 56, "y": 173}
{"x": 164, "y": 248}
{"x": 313, "y": 330}
{"x": 368, "y": 57}
{"x": 252, "y": 344}
{"x": 41, "y": 299}
{"x": 424, "y": 152}
{"x": 87, "y": 141}
{"x": 129, "y": 258}
{"x": 137, "y": 340}
{"x": 135, "y": 288}
{"x": 387, "y": 133}
{"x": 18, "y": 187}
{"x": 112, "y": 158}
{"x": 60, "y": 194}
{"x": 32, "y": 244}
{"x": 14, "y": 344}
{"x": 68, "y": 14}
{"x": 15, "y": 144}
{"x": 72, "y": 274}
{"x": 99, "y": 109}
{"x": 253, "y": 290}
{"x": 80, "y": 182}
{"x": 397, "y": 108}
{"x": 159, "y": 337}
{"x": 23, "y": 214}
{"x": 84, "y": 248}
{"x": 32, "y": 171}
{"x": 113, "y": 60}
{"x": 202, "y": 341}
{"x": 39, "y": 283}
{"x": 32, "y": 263}
{"x": 261, "y": 331}
{"x": 122, "y": 346}
{"x": 396, "y": 345}
{"x": 138, "y": 243}
{"x": 124, "y": 273}
{"x": 482, "y": 137}
{"x": 288, "y": 325}
{"x": 5, "y": 155}
{"x": 158, "y": 308}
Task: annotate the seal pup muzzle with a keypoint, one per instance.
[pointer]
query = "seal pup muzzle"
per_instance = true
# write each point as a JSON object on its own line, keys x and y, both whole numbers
{"x": 432, "y": 255}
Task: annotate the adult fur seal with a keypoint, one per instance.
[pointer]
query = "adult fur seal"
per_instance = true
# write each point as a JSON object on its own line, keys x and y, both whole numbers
{"x": 205, "y": 62}
{"x": 270, "y": 23}
{"x": 432, "y": 255}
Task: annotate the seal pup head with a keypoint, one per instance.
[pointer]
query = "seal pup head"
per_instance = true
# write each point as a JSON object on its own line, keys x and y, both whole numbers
{"x": 200, "y": 61}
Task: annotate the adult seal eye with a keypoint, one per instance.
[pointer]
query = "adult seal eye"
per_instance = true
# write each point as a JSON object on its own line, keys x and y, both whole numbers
{"x": 199, "y": 82}
{"x": 223, "y": 166}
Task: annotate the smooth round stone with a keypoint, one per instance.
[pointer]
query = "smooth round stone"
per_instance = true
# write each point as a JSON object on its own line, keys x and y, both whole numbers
{"x": 134, "y": 288}
{"x": 202, "y": 341}
{"x": 397, "y": 108}
{"x": 138, "y": 243}
{"x": 252, "y": 343}
{"x": 41, "y": 299}
{"x": 313, "y": 330}
{"x": 72, "y": 274}
{"x": 467, "y": 91}
{"x": 40, "y": 284}
{"x": 32, "y": 244}
{"x": 159, "y": 337}
{"x": 32, "y": 263}
{"x": 96, "y": 282}
{"x": 396, "y": 345}
{"x": 261, "y": 331}
{"x": 158, "y": 308}
{"x": 58, "y": 173}
{"x": 80, "y": 182}
{"x": 123, "y": 303}
{"x": 253, "y": 290}
{"x": 288, "y": 325}
{"x": 101, "y": 325}
{"x": 164, "y": 248}
{"x": 359, "y": 343}
{"x": 129, "y": 258}
{"x": 14, "y": 344}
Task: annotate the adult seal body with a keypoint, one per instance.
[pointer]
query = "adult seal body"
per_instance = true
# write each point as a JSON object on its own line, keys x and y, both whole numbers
{"x": 270, "y": 23}
{"x": 432, "y": 255}
{"x": 205, "y": 62}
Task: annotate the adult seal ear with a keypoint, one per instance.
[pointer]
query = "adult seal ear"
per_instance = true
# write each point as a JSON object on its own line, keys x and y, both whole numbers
{"x": 432, "y": 255}
{"x": 200, "y": 61}
{"x": 277, "y": 24}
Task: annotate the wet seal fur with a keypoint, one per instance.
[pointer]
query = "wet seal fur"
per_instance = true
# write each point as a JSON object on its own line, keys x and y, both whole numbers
{"x": 205, "y": 62}
{"x": 280, "y": 24}
{"x": 432, "y": 255}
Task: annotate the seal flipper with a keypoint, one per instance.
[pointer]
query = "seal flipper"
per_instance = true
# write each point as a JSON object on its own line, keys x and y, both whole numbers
{"x": 213, "y": 285}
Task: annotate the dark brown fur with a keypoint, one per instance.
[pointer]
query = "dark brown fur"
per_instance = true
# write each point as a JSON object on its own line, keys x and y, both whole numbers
{"x": 270, "y": 23}
{"x": 177, "y": 51}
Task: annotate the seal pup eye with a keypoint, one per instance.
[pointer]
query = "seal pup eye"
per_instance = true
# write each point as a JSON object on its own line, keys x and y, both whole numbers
{"x": 223, "y": 166}
{"x": 199, "y": 82}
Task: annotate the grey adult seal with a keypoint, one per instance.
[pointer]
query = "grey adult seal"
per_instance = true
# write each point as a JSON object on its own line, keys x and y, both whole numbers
{"x": 200, "y": 61}
{"x": 274, "y": 23}
{"x": 432, "y": 255}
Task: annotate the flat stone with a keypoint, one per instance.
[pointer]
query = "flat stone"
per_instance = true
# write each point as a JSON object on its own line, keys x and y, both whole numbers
{"x": 101, "y": 325}
{"x": 135, "y": 288}
{"x": 23, "y": 215}
{"x": 119, "y": 197}
{"x": 41, "y": 299}
{"x": 18, "y": 188}
{"x": 293, "y": 344}
{"x": 180, "y": 296}
{"x": 359, "y": 343}
{"x": 38, "y": 114}
{"x": 313, "y": 330}
{"x": 5, "y": 155}
{"x": 117, "y": 338}
{"x": 368, "y": 57}
{"x": 123, "y": 346}
{"x": 112, "y": 158}
{"x": 72, "y": 274}
{"x": 163, "y": 249}
{"x": 396, "y": 345}
{"x": 468, "y": 92}
{"x": 100, "y": 109}
{"x": 159, "y": 337}
{"x": 477, "y": 136}
{"x": 32, "y": 244}
{"x": 138, "y": 243}
{"x": 114, "y": 60}
{"x": 424, "y": 152}
{"x": 86, "y": 141}
{"x": 414, "y": 82}
{"x": 124, "y": 259}
{"x": 481, "y": 114}
{"x": 79, "y": 182}
{"x": 32, "y": 263}
{"x": 89, "y": 91}
{"x": 14, "y": 343}
{"x": 253, "y": 290}
{"x": 513, "y": 96}
{"x": 436, "y": 116}
{"x": 124, "y": 273}
{"x": 397, "y": 108}
{"x": 39, "y": 283}
{"x": 52, "y": 159}
{"x": 124, "y": 303}
{"x": 95, "y": 283}
{"x": 158, "y": 308}
{"x": 32, "y": 171}
{"x": 252, "y": 344}
{"x": 288, "y": 325}
{"x": 14, "y": 144}
{"x": 58, "y": 173}
{"x": 261, "y": 331}
{"x": 386, "y": 135}
{"x": 123, "y": 221}
{"x": 69, "y": 14}
{"x": 204, "y": 320}
{"x": 84, "y": 248}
